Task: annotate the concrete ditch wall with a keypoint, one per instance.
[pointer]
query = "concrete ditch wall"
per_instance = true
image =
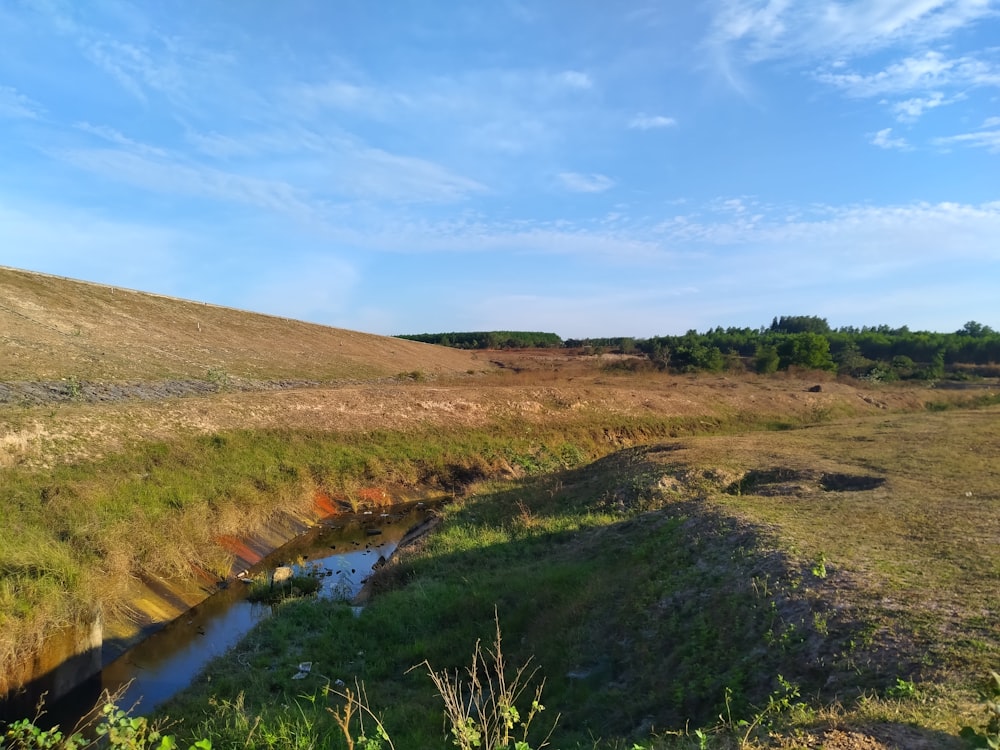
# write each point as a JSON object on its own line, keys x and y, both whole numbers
{"x": 77, "y": 655}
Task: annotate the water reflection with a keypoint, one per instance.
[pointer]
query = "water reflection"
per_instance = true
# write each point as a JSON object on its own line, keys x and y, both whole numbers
{"x": 343, "y": 553}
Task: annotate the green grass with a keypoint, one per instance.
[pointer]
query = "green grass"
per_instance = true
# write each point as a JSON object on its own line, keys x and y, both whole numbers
{"x": 595, "y": 594}
{"x": 648, "y": 585}
{"x": 75, "y": 536}
{"x": 647, "y": 593}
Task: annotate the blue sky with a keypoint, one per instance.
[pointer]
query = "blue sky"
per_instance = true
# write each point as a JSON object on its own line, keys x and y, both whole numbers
{"x": 582, "y": 167}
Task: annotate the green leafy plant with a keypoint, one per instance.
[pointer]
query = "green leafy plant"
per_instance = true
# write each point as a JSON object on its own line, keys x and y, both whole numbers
{"x": 115, "y": 728}
{"x": 903, "y": 689}
{"x": 74, "y": 388}
{"x": 819, "y": 566}
{"x": 989, "y": 735}
{"x": 781, "y": 704}
{"x": 217, "y": 376}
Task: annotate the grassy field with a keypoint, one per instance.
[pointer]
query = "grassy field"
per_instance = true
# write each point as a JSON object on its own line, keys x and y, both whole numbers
{"x": 676, "y": 554}
{"x": 849, "y": 558}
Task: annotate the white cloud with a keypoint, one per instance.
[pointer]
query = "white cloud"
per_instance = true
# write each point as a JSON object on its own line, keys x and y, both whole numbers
{"x": 772, "y": 29}
{"x": 143, "y": 61}
{"x": 126, "y": 63}
{"x": 912, "y": 109}
{"x": 928, "y": 72}
{"x": 176, "y": 177}
{"x": 908, "y": 233}
{"x": 15, "y": 105}
{"x": 883, "y": 139}
{"x": 987, "y": 136}
{"x": 649, "y": 122}
{"x": 846, "y": 34}
{"x": 585, "y": 183}
{"x": 315, "y": 169}
{"x": 375, "y": 173}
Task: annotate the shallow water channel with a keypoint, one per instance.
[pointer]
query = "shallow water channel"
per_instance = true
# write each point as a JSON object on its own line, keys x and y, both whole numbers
{"x": 342, "y": 551}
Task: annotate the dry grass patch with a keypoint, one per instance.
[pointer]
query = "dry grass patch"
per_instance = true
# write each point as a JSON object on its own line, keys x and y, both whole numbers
{"x": 897, "y": 521}
{"x": 57, "y": 329}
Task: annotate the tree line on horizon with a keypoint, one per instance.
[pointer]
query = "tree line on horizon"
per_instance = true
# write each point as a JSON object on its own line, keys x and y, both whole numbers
{"x": 489, "y": 339}
{"x": 792, "y": 341}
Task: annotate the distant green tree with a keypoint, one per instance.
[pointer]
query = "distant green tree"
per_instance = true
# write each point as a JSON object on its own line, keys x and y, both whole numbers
{"x": 808, "y": 350}
{"x": 488, "y": 339}
{"x": 766, "y": 359}
{"x": 975, "y": 330}
{"x": 850, "y": 361}
{"x": 935, "y": 370}
{"x": 902, "y": 365}
{"x": 800, "y": 324}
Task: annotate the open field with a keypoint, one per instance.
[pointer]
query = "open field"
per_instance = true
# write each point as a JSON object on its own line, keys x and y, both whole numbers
{"x": 651, "y": 540}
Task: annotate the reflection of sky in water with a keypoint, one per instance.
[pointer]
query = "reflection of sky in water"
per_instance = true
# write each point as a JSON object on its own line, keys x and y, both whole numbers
{"x": 168, "y": 660}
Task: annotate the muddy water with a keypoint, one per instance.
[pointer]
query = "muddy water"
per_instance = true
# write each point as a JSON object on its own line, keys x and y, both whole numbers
{"x": 342, "y": 551}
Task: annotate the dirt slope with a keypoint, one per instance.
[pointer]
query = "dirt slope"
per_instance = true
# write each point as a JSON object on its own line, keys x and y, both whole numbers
{"x": 53, "y": 328}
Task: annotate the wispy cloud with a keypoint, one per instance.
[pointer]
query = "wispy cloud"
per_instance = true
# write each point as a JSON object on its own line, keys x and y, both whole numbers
{"x": 375, "y": 173}
{"x": 143, "y": 62}
{"x": 585, "y": 183}
{"x": 113, "y": 136}
{"x": 912, "y": 109}
{"x": 351, "y": 97}
{"x": 15, "y": 105}
{"x": 883, "y": 139}
{"x": 927, "y": 72}
{"x": 650, "y": 122}
{"x": 843, "y": 37}
{"x": 907, "y": 233}
{"x": 772, "y": 29}
{"x": 316, "y": 169}
{"x": 987, "y": 136}
{"x": 172, "y": 176}
{"x": 127, "y": 64}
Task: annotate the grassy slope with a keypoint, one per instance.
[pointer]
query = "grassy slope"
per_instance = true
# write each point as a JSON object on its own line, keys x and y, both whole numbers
{"x": 53, "y": 328}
